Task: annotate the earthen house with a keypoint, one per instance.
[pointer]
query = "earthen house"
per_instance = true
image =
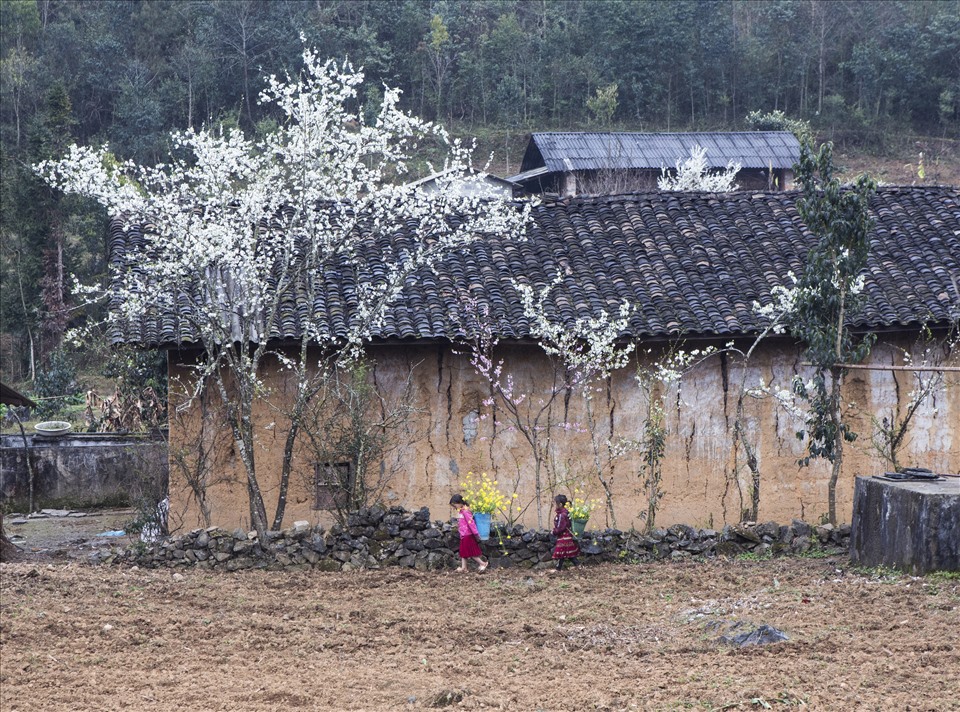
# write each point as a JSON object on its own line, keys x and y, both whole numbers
{"x": 693, "y": 265}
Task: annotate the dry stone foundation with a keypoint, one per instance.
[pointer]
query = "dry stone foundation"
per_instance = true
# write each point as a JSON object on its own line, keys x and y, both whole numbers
{"x": 376, "y": 537}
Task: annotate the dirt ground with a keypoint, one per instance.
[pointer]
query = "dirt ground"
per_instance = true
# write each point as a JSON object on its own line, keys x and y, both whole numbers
{"x": 612, "y": 637}
{"x": 72, "y": 537}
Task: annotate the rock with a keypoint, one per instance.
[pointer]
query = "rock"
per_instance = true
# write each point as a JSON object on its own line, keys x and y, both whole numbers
{"x": 240, "y": 563}
{"x": 329, "y": 565}
{"x": 222, "y": 556}
{"x": 800, "y": 528}
{"x": 242, "y": 547}
{"x": 239, "y": 534}
{"x": 729, "y": 548}
{"x": 178, "y": 577}
{"x": 447, "y": 698}
{"x": 761, "y": 635}
{"x": 107, "y": 628}
{"x": 317, "y": 543}
{"x": 18, "y": 521}
{"x": 55, "y": 512}
{"x": 591, "y": 547}
{"x": 770, "y": 529}
{"x": 203, "y": 540}
{"x": 800, "y": 544}
{"x": 748, "y": 533}
{"x": 310, "y": 556}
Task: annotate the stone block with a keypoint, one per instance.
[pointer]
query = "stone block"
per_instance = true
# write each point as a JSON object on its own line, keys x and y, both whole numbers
{"x": 910, "y": 526}
{"x": 801, "y": 528}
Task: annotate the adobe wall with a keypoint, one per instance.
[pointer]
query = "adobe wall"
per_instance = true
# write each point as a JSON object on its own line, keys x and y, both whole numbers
{"x": 703, "y": 485}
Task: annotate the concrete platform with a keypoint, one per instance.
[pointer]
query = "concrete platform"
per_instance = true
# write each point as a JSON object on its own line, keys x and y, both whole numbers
{"x": 911, "y": 526}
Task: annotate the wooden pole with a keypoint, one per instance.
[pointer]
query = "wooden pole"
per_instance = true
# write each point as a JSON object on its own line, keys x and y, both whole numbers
{"x": 862, "y": 367}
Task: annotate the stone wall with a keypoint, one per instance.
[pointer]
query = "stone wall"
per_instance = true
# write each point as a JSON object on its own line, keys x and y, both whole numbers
{"x": 375, "y": 538}
{"x": 81, "y": 469}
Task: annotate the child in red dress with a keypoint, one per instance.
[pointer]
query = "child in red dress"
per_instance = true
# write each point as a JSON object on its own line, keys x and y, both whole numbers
{"x": 566, "y": 547}
{"x": 469, "y": 536}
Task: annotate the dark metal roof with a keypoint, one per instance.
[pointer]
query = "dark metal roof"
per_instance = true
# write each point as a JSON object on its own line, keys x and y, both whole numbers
{"x": 8, "y": 396}
{"x": 692, "y": 263}
{"x": 596, "y": 151}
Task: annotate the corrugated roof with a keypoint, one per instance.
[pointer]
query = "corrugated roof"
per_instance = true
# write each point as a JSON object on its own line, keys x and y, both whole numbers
{"x": 597, "y": 151}
{"x": 8, "y": 396}
{"x": 693, "y": 263}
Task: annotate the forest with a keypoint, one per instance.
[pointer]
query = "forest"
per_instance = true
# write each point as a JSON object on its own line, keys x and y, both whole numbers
{"x": 870, "y": 76}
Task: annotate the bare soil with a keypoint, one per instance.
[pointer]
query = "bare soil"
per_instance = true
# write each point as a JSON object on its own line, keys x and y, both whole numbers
{"x": 613, "y": 637}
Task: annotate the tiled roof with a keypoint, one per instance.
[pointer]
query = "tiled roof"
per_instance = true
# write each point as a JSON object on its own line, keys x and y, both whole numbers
{"x": 692, "y": 263}
{"x": 593, "y": 151}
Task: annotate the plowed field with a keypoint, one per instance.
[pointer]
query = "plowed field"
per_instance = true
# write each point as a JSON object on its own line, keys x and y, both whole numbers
{"x": 77, "y": 637}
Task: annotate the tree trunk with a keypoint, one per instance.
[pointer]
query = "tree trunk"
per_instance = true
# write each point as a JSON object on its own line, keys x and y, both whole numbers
{"x": 8, "y": 550}
{"x": 287, "y": 466}
{"x": 836, "y": 380}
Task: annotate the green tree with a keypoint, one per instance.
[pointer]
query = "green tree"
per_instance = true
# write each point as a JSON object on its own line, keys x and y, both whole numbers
{"x": 827, "y": 299}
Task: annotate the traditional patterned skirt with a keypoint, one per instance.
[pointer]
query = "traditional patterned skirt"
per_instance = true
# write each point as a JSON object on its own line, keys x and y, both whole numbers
{"x": 566, "y": 547}
{"x": 469, "y": 547}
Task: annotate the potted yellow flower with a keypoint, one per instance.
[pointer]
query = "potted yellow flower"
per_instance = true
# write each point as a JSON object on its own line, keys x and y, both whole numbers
{"x": 579, "y": 509}
{"x": 484, "y": 498}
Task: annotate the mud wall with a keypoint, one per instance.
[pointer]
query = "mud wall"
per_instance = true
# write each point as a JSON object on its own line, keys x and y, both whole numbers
{"x": 704, "y": 482}
{"x": 80, "y": 469}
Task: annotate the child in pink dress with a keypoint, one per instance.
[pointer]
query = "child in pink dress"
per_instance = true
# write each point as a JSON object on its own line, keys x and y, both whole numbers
{"x": 566, "y": 547}
{"x": 469, "y": 536}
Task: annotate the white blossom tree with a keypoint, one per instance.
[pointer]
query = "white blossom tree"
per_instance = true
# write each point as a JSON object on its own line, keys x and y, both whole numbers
{"x": 238, "y": 228}
{"x": 694, "y": 174}
{"x": 581, "y": 355}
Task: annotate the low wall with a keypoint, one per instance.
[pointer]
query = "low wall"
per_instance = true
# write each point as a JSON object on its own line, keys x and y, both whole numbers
{"x": 375, "y": 538}
{"x": 81, "y": 469}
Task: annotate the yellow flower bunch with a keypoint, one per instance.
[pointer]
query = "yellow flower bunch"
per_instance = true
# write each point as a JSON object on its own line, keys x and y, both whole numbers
{"x": 580, "y": 507}
{"x": 484, "y": 494}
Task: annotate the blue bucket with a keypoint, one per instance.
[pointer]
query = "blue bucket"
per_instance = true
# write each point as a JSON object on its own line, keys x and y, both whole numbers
{"x": 483, "y": 524}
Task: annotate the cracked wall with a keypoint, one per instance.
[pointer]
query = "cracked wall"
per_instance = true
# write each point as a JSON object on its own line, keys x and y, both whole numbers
{"x": 703, "y": 483}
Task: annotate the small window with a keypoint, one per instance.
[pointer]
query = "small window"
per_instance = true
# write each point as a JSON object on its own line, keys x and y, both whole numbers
{"x": 332, "y": 482}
